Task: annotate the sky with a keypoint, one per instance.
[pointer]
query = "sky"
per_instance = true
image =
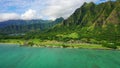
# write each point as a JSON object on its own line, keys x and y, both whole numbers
{"x": 39, "y": 9}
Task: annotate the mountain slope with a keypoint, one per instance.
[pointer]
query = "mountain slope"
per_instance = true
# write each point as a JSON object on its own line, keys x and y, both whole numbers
{"x": 91, "y": 21}
{"x": 23, "y": 26}
{"x": 91, "y": 13}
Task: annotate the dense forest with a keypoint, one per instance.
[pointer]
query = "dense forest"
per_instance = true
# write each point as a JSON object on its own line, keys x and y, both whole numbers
{"x": 91, "y": 23}
{"x": 23, "y": 26}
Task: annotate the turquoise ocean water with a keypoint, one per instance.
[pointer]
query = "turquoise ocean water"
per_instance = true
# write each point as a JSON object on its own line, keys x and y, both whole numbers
{"x": 13, "y": 56}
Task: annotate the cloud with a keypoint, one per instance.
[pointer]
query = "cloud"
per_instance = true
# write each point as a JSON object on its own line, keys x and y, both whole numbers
{"x": 27, "y": 15}
{"x": 9, "y": 16}
{"x": 30, "y": 14}
{"x": 63, "y": 8}
{"x": 45, "y": 9}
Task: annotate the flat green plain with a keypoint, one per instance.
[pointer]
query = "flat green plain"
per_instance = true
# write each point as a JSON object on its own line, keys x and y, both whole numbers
{"x": 13, "y": 56}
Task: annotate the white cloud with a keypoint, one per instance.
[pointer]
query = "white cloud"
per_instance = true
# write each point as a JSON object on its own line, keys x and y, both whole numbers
{"x": 63, "y": 8}
{"x": 30, "y": 14}
{"x": 46, "y": 9}
{"x": 8, "y": 16}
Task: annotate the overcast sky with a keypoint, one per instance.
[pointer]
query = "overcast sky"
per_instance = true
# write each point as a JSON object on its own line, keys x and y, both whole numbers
{"x": 39, "y": 9}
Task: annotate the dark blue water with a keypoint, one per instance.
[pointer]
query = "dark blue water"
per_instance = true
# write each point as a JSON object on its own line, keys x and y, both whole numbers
{"x": 13, "y": 56}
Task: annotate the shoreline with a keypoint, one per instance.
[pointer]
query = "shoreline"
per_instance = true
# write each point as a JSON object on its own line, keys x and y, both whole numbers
{"x": 91, "y": 46}
{"x": 10, "y": 43}
{"x": 68, "y": 47}
{"x": 73, "y": 48}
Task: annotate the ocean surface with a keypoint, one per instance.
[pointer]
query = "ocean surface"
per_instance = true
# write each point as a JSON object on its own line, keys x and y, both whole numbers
{"x": 13, "y": 56}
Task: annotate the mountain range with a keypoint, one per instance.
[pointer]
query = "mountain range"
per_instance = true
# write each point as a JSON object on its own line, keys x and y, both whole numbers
{"x": 23, "y": 26}
{"x": 90, "y": 22}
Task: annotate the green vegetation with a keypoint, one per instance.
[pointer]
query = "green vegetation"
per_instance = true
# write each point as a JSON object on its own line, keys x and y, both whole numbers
{"x": 23, "y": 26}
{"x": 91, "y": 24}
{"x": 110, "y": 45}
{"x": 53, "y": 44}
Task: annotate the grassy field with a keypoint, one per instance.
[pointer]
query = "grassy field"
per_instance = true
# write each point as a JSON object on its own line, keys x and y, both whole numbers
{"x": 53, "y": 43}
{"x": 12, "y": 41}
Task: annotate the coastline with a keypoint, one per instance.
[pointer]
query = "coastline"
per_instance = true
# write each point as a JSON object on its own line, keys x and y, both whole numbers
{"x": 56, "y": 44}
{"x": 92, "y": 46}
{"x": 74, "y": 47}
{"x": 10, "y": 43}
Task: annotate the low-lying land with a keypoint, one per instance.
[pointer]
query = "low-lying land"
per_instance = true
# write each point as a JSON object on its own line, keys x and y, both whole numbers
{"x": 55, "y": 44}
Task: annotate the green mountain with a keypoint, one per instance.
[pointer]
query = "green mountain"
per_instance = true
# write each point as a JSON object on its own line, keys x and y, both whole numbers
{"x": 90, "y": 22}
{"x": 23, "y": 26}
{"x": 91, "y": 13}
